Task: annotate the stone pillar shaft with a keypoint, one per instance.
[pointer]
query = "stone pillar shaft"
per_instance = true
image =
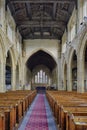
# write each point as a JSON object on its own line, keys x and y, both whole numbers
{"x": 59, "y": 75}
{"x": 69, "y": 78}
{"x": 80, "y": 75}
{"x": 2, "y": 78}
{"x": 13, "y": 78}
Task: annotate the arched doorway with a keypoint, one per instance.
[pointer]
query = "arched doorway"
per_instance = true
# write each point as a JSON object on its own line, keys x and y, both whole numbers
{"x": 74, "y": 72}
{"x": 8, "y": 73}
{"x": 42, "y": 66}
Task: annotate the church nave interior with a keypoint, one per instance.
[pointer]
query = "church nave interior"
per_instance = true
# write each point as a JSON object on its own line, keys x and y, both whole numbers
{"x": 43, "y": 64}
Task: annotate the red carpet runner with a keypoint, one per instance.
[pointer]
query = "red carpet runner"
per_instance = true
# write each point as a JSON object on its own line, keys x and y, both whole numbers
{"x": 38, "y": 118}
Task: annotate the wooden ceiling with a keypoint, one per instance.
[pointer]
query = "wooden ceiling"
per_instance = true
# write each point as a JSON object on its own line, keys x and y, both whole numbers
{"x": 44, "y": 19}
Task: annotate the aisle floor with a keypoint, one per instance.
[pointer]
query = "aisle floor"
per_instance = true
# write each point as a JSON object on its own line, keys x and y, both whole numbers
{"x": 39, "y": 116}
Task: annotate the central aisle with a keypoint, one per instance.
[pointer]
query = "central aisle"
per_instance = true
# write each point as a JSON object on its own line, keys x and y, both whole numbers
{"x": 39, "y": 116}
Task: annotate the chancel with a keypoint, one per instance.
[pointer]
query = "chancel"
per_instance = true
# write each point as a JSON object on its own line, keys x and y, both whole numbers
{"x": 43, "y": 64}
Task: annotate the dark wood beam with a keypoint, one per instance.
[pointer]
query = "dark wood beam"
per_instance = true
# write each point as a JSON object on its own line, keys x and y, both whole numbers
{"x": 43, "y": 37}
{"x": 44, "y": 17}
{"x": 18, "y": 11}
{"x": 38, "y": 24}
{"x": 41, "y": 30}
{"x": 42, "y": 1}
{"x": 28, "y": 10}
{"x": 71, "y": 8}
{"x": 15, "y": 13}
{"x": 54, "y": 9}
{"x": 10, "y": 5}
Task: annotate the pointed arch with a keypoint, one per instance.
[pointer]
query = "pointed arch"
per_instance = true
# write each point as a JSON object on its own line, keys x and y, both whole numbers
{"x": 37, "y": 59}
{"x": 44, "y": 50}
{"x": 12, "y": 67}
{"x": 72, "y": 83}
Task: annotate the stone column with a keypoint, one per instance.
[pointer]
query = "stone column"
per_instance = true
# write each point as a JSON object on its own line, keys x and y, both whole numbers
{"x": 80, "y": 75}
{"x": 20, "y": 76}
{"x": 69, "y": 77}
{"x": 60, "y": 87}
{"x": 2, "y": 77}
{"x": 13, "y": 77}
{"x": 3, "y": 24}
{"x": 23, "y": 72}
{"x": 59, "y": 81}
{"x": 64, "y": 82}
{"x": 17, "y": 77}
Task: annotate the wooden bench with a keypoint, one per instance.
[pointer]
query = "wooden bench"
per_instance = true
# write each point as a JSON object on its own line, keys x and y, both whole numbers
{"x": 77, "y": 122}
{"x": 13, "y": 107}
{"x": 64, "y": 111}
{"x": 63, "y": 103}
{"x": 2, "y": 121}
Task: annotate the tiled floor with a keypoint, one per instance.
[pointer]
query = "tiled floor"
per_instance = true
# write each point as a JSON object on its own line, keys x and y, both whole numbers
{"x": 51, "y": 125}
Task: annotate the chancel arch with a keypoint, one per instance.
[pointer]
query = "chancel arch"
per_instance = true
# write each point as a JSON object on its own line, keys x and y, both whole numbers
{"x": 48, "y": 51}
{"x": 42, "y": 66}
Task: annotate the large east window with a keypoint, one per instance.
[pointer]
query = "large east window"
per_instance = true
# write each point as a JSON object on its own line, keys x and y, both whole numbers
{"x": 41, "y": 77}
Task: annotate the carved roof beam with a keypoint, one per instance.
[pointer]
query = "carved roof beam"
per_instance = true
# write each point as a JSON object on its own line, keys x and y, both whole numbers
{"x": 44, "y": 17}
{"x": 43, "y": 37}
{"x": 70, "y": 8}
{"x": 18, "y": 11}
{"x": 54, "y": 9}
{"x": 35, "y": 25}
{"x": 64, "y": 12}
{"x": 11, "y": 7}
{"x": 42, "y": 1}
{"x": 28, "y": 10}
{"x": 22, "y": 29}
{"x": 38, "y": 23}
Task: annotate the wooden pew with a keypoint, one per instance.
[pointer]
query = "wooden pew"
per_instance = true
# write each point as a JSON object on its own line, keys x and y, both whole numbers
{"x": 2, "y": 121}
{"x": 77, "y": 122}
{"x": 14, "y": 107}
{"x": 63, "y": 114}
{"x": 64, "y": 102}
